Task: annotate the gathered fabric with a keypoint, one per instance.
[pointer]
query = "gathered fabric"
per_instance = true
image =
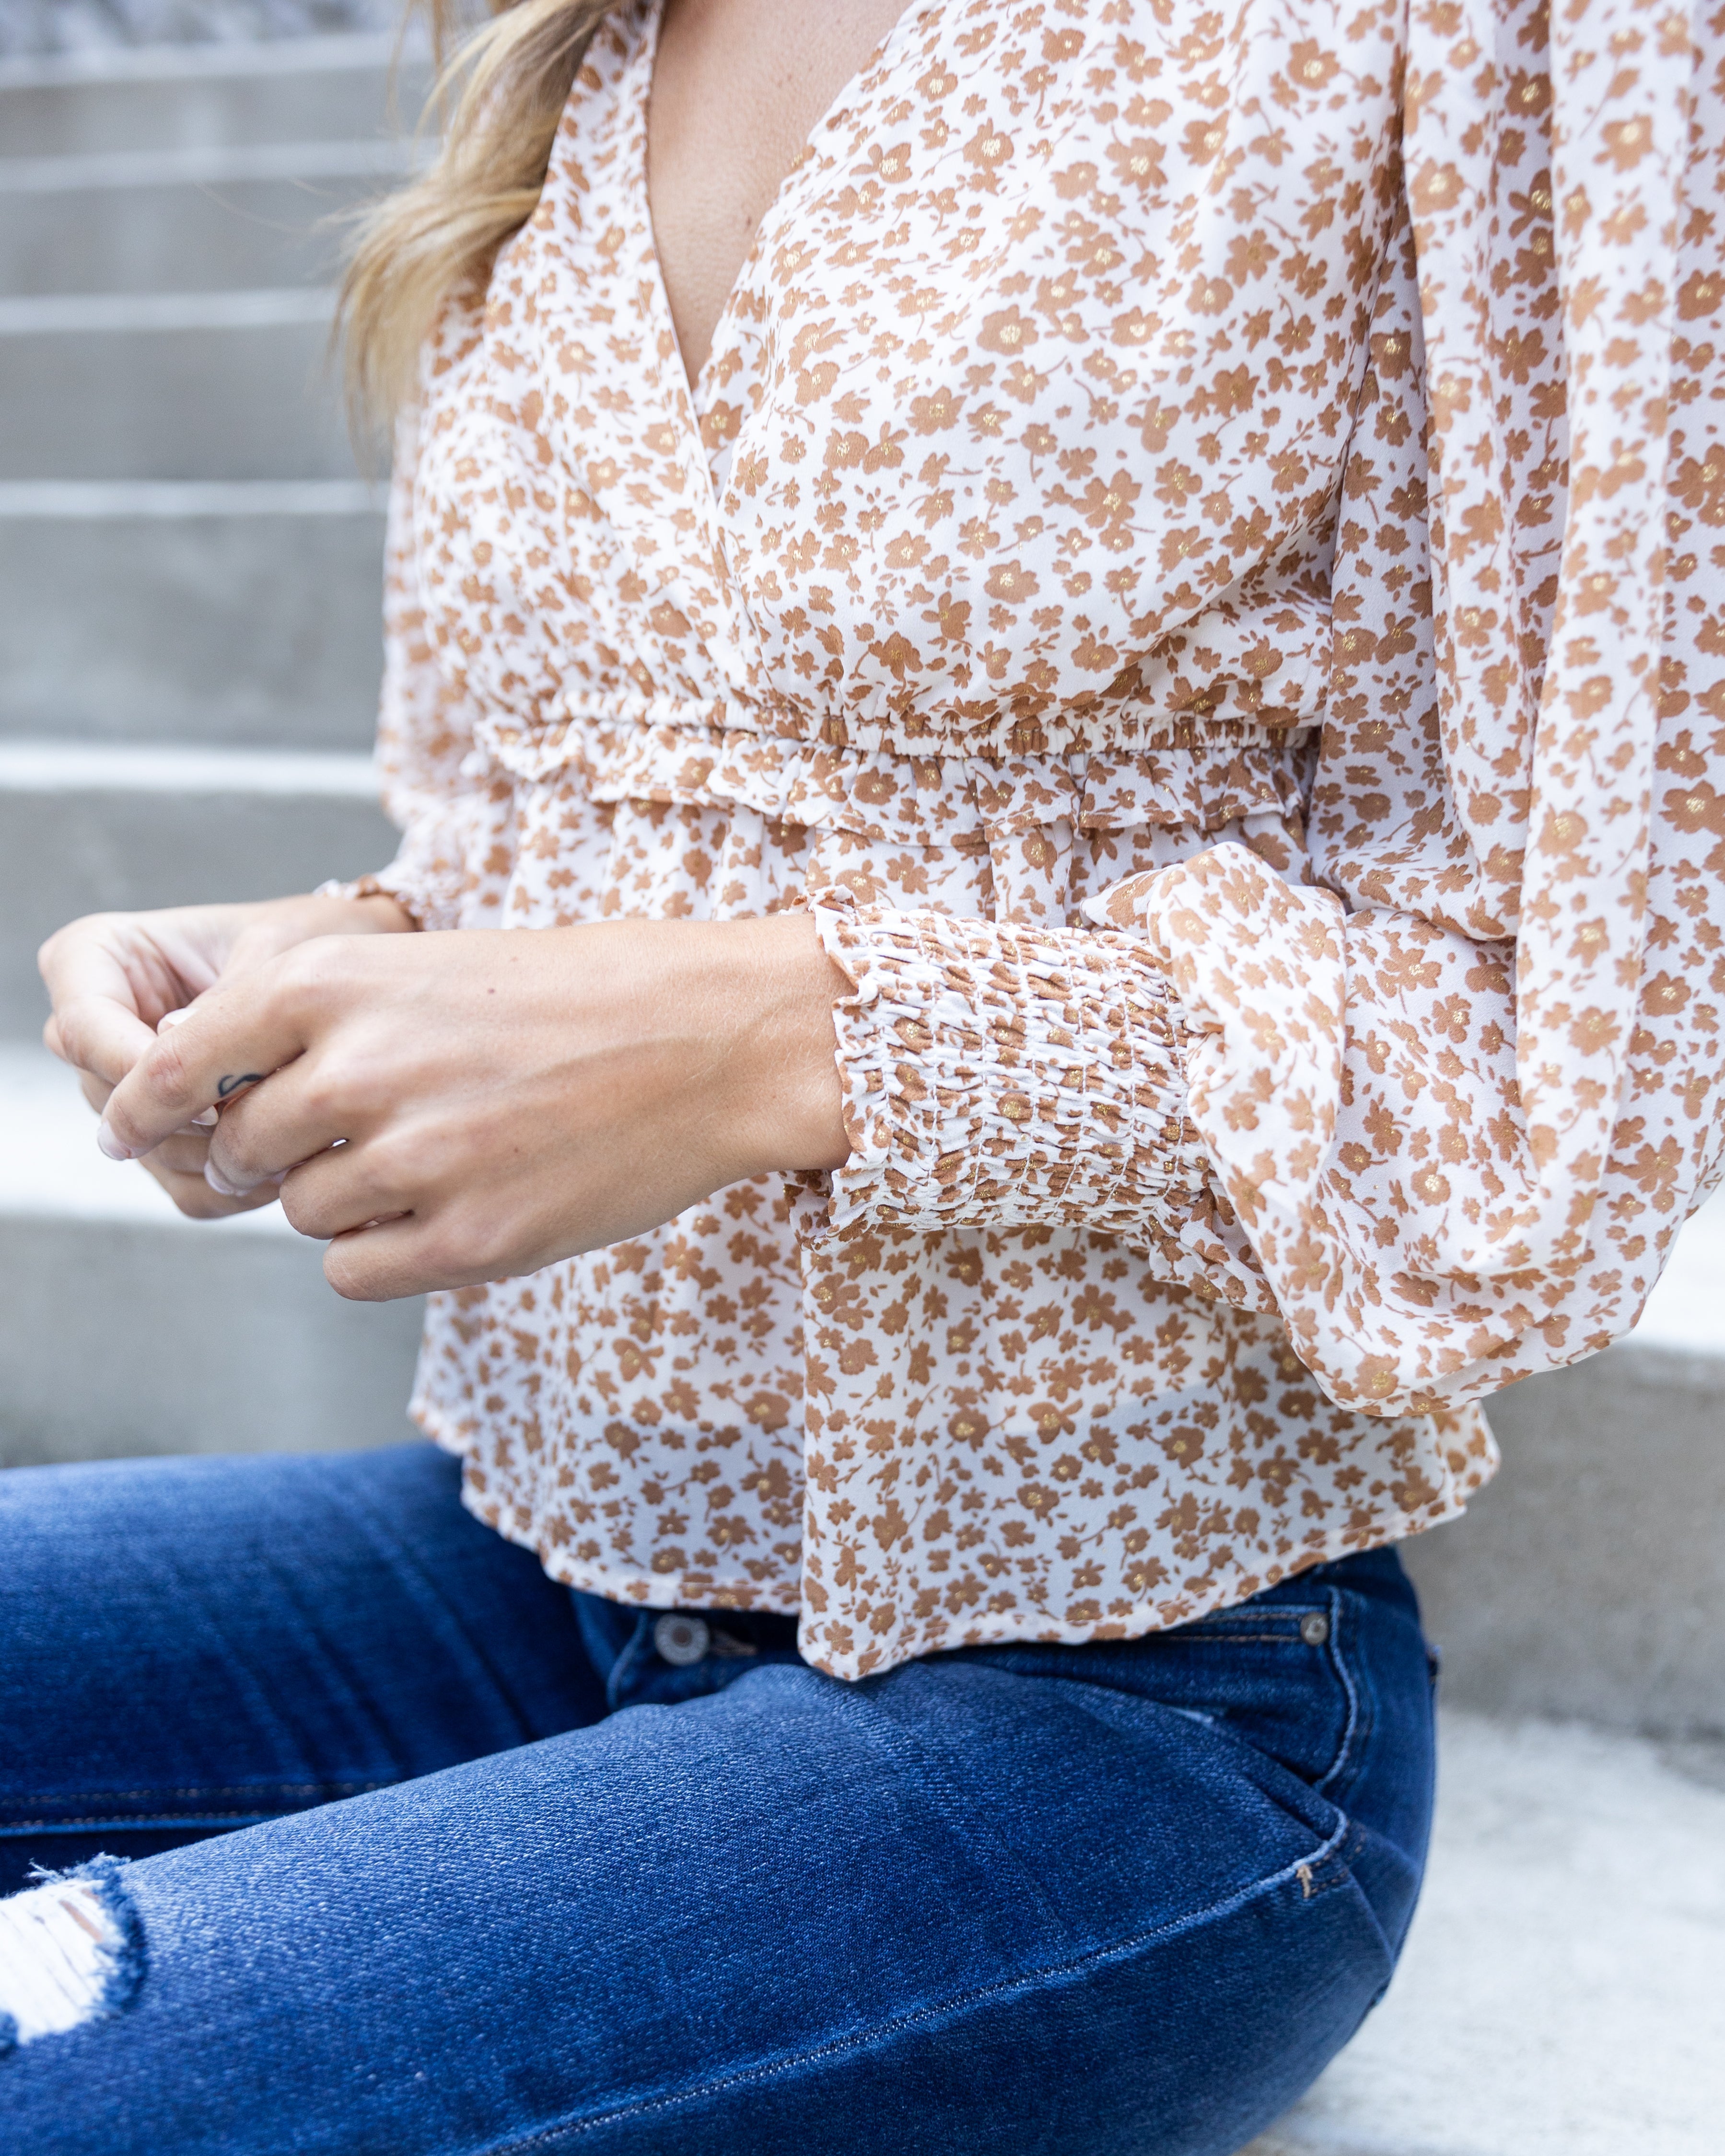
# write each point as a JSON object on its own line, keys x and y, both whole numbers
{"x": 1191, "y": 554}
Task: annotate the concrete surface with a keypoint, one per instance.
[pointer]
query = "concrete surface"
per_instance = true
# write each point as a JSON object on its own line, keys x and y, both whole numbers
{"x": 191, "y": 573}
{"x": 168, "y": 97}
{"x": 172, "y": 387}
{"x": 183, "y": 1340}
{"x": 98, "y": 843}
{"x": 126, "y": 1328}
{"x": 1589, "y": 1580}
{"x": 179, "y": 224}
{"x": 1562, "y": 1991}
{"x": 226, "y": 613}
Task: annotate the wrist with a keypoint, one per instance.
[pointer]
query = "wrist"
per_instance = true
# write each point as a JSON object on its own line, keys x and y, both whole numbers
{"x": 786, "y": 1097}
{"x": 332, "y": 912}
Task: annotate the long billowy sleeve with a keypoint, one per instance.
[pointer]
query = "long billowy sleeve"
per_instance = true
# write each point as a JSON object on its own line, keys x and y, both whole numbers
{"x": 1456, "y": 1083}
{"x": 432, "y": 791}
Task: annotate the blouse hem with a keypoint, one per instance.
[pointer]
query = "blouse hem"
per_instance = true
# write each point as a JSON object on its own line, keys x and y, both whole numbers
{"x": 654, "y": 1593}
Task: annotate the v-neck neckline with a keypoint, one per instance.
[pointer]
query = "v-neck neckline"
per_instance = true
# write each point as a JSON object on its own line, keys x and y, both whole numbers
{"x": 698, "y": 391}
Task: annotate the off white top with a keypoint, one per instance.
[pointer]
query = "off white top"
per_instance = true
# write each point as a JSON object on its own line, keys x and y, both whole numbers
{"x": 1199, "y": 596}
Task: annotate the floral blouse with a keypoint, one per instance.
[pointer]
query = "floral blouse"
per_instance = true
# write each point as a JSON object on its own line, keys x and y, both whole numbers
{"x": 1197, "y": 552}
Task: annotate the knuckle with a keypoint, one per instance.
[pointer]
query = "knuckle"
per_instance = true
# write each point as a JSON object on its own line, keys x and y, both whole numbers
{"x": 301, "y": 1209}
{"x": 352, "y": 1275}
{"x": 440, "y": 1256}
{"x": 467, "y": 1250}
{"x": 61, "y": 1035}
{"x": 55, "y": 947}
{"x": 72, "y": 1020}
{"x": 228, "y": 1159}
{"x": 309, "y": 970}
{"x": 162, "y": 1075}
{"x": 389, "y": 1163}
{"x": 328, "y": 1089}
{"x": 183, "y": 1156}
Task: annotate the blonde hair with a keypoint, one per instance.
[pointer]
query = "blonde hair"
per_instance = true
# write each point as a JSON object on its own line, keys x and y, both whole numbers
{"x": 501, "y": 95}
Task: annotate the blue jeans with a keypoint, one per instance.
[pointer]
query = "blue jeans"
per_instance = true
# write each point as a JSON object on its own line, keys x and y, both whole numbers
{"x": 431, "y": 1855}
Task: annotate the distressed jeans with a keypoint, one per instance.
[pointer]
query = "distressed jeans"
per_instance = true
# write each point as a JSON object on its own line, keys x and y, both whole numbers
{"x": 428, "y": 1854}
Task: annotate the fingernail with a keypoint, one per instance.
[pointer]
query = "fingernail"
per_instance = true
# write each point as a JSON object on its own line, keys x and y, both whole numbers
{"x": 110, "y": 1144}
{"x": 220, "y": 1184}
{"x": 206, "y": 1122}
{"x": 170, "y": 1018}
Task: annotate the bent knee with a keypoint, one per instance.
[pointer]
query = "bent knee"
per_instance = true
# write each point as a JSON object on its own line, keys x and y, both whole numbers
{"x": 71, "y": 1951}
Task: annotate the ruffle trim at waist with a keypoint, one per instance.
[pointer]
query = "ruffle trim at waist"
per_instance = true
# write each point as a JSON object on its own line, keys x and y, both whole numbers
{"x": 1221, "y": 778}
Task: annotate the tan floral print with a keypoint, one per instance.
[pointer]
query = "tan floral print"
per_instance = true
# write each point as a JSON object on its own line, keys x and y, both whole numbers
{"x": 1196, "y": 552}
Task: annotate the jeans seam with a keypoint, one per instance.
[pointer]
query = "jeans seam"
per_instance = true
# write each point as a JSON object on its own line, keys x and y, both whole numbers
{"x": 163, "y": 1822}
{"x": 230, "y": 1790}
{"x": 629, "y": 1656}
{"x": 1338, "y": 1662}
{"x": 1023, "y": 1980}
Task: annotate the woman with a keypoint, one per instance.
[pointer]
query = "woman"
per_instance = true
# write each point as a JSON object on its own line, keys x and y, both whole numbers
{"x": 1093, "y": 702}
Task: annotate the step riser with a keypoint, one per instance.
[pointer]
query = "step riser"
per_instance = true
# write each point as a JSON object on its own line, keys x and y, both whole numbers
{"x": 62, "y": 855}
{"x": 97, "y": 118}
{"x": 232, "y": 236}
{"x": 243, "y": 629}
{"x": 171, "y": 404}
{"x": 1587, "y": 1581}
{"x": 123, "y": 1339}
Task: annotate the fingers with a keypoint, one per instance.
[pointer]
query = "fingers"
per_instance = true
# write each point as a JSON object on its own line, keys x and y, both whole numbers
{"x": 195, "y": 1198}
{"x": 338, "y": 1192}
{"x": 184, "y": 1154}
{"x": 99, "y": 1035}
{"x": 109, "y": 980}
{"x": 270, "y": 1129}
{"x": 235, "y": 1035}
{"x": 384, "y": 1263}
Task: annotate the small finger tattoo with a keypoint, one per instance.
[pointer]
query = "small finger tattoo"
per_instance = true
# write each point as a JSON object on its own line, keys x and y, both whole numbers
{"x": 227, "y": 1085}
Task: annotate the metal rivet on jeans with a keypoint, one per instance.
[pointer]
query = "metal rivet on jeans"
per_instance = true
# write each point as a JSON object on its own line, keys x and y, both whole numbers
{"x": 681, "y": 1641}
{"x": 1315, "y": 1629}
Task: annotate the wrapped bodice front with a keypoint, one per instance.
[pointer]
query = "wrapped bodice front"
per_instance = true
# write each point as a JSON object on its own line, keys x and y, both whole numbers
{"x": 1057, "y": 475}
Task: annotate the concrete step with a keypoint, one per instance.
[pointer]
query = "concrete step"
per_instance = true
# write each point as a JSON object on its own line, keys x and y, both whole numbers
{"x": 89, "y": 828}
{"x": 251, "y": 217}
{"x": 173, "y": 386}
{"x": 168, "y": 97}
{"x": 126, "y": 1328}
{"x": 1562, "y": 1991}
{"x": 218, "y": 611}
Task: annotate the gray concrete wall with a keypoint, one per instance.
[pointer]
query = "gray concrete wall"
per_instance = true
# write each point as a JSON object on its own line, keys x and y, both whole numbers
{"x": 1589, "y": 1580}
{"x": 121, "y": 1338}
{"x": 66, "y": 853}
{"x": 236, "y": 627}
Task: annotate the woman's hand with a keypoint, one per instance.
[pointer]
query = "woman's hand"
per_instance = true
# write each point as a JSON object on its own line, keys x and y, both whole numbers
{"x": 467, "y": 1107}
{"x": 113, "y": 977}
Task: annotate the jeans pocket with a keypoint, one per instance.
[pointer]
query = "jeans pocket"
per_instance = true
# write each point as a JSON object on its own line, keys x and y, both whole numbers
{"x": 1283, "y": 1676}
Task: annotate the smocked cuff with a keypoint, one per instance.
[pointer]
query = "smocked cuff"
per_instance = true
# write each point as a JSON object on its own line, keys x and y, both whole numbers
{"x": 432, "y": 891}
{"x": 1001, "y": 1074}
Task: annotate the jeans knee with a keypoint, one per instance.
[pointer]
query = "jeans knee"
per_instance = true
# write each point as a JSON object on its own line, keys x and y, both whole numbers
{"x": 71, "y": 1951}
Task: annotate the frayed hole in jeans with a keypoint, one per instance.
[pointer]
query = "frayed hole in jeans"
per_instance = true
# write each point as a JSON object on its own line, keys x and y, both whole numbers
{"x": 71, "y": 1951}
